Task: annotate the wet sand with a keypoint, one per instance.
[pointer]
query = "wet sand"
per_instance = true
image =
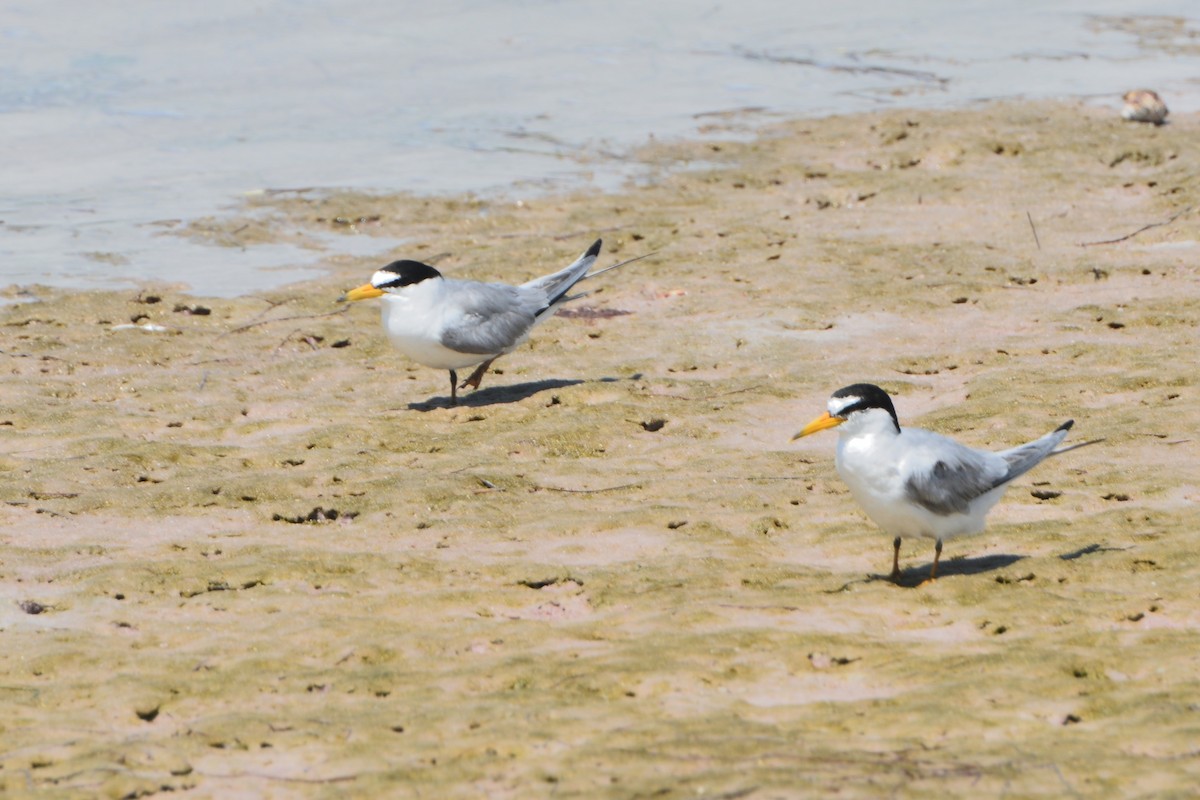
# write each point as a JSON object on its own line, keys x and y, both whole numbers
{"x": 250, "y": 551}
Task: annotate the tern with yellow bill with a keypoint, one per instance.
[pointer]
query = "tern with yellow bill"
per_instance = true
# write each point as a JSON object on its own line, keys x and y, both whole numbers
{"x": 913, "y": 482}
{"x": 451, "y": 324}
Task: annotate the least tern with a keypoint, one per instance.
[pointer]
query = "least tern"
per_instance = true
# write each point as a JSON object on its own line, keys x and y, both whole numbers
{"x": 450, "y": 324}
{"x": 1144, "y": 105}
{"x": 913, "y": 482}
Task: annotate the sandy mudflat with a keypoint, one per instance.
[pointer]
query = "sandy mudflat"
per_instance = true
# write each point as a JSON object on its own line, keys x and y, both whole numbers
{"x": 609, "y": 573}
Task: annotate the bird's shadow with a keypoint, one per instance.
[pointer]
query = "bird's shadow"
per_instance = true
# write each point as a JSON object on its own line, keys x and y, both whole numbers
{"x": 915, "y": 576}
{"x": 494, "y": 395}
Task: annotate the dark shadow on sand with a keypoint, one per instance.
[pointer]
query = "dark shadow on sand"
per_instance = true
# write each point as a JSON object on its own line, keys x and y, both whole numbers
{"x": 915, "y": 576}
{"x": 494, "y": 395}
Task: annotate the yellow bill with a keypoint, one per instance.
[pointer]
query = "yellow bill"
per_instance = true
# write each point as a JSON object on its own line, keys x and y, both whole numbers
{"x": 364, "y": 292}
{"x": 821, "y": 423}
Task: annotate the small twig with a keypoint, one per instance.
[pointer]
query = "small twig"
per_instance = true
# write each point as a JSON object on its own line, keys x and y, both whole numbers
{"x": 1142, "y": 229}
{"x": 588, "y": 491}
{"x": 306, "y": 338}
{"x": 250, "y": 325}
{"x": 770, "y": 477}
{"x": 283, "y": 778}
{"x": 710, "y": 396}
{"x": 286, "y": 339}
{"x": 271, "y": 304}
{"x": 560, "y": 237}
{"x": 1033, "y": 228}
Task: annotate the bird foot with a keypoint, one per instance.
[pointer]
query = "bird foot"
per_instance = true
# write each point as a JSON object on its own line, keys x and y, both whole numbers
{"x": 475, "y": 378}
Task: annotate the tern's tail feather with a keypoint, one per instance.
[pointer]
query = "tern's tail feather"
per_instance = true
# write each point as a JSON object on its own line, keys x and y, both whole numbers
{"x": 1025, "y": 457}
{"x": 556, "y": 285}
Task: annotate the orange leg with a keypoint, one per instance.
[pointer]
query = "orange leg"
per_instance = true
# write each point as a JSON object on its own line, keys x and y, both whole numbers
{"x": 937, "y": 555}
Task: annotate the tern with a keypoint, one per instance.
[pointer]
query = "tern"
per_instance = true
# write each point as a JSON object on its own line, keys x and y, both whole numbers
{"x": 451, "y": 324}
{"x": 913, "y": 482}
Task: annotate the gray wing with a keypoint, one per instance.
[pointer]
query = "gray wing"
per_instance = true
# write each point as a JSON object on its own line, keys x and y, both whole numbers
{"x": 496, "y": 317}
{"x": 945, "y": 476}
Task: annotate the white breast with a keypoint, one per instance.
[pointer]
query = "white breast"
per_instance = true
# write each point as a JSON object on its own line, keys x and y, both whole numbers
{"x": 414, "y": 320}
{"x": 870, "y": 465}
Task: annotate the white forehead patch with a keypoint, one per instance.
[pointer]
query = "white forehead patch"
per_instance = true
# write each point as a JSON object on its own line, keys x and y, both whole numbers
{"x": 838, "y": 404}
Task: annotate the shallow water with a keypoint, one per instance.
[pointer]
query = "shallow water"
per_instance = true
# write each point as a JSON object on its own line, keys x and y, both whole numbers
{"x": 125, "y": 123}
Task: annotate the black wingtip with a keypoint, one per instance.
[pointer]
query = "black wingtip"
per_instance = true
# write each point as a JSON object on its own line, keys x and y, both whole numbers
{"x": 1066, "y": 426}
{"x": 594, "y": 250}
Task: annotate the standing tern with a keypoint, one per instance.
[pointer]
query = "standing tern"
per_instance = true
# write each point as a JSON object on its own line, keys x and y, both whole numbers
{"x": 450, "y": 324}
{"x": 913, "y": 482}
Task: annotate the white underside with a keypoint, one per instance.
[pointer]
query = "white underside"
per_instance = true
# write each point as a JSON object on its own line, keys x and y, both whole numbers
{"x": 414, "y": 322}
{"x": 873, "y": 466}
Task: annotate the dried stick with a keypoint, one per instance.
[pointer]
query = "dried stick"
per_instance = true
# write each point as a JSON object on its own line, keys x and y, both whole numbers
{"x": 250, "y": 325}
{"x": 588, "y": 491}
{"x": 1142, "y": 229}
